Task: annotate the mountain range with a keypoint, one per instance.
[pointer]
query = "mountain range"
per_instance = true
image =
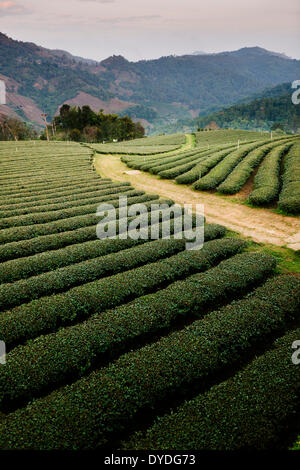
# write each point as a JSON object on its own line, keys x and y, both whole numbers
{"x": 155, "y": 92}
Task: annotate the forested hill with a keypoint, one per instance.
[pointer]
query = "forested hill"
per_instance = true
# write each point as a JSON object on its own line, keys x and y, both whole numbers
{"x": 273, "y": 108}
{"x": 153, "y": 91}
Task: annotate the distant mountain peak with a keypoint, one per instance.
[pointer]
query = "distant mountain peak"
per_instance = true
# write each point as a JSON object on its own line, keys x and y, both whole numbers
{"x": 61, "y": 53}
{"x": 258, "y": 51}
{"x": 114, "y": 60}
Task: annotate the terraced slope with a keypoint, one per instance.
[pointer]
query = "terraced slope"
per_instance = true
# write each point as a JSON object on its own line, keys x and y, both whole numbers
{"x": 104, "y": 335}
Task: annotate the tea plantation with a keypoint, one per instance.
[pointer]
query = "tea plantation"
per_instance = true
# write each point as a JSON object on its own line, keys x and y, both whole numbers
{"x": 137, "y": 343}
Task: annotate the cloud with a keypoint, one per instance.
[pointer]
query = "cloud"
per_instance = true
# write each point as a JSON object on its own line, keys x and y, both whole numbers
{"x": 99, "y": 1}
{"x": 128, "y": 19}
{"x": 9, "y": 7}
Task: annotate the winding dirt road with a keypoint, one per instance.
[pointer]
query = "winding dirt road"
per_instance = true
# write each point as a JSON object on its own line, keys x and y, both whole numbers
{"x": 261, "y": 225}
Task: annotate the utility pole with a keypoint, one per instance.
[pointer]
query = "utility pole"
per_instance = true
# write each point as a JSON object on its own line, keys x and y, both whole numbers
{"x": 44, "y": 116}
{"x": 54, "y": 128}
{"x": 271, "y": 135}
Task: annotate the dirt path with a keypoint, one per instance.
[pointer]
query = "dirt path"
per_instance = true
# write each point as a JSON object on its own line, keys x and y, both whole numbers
{"x": 261, "y": 225}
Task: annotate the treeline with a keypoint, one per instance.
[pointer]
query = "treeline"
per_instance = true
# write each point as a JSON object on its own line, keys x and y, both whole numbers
{"x": 274, "y": 110}
{"x": 14, "y": 129}
{"x": 263, "y": 113}
{"x": 85, "y": 125}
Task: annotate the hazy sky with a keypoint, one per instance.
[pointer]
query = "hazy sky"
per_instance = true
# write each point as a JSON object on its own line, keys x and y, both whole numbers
{"x": 144, "y": 29}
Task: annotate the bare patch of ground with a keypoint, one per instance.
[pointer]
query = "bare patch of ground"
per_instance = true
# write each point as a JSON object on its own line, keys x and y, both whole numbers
{"x": 132, "y": 172}
{"x": 261, "y": 225}
{"x": 247, "y": 189}
{"x": 113, "y": 105}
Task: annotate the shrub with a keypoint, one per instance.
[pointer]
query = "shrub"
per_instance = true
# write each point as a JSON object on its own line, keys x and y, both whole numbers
{"x": 178, "y": 170}
{"x": 265, "y": 396}
{"x": 113, "y": 331}
{"x": 48, "y": 313}
{"x": 65, "y": 213}
{"x": 21, "y": 268}
{"x": 205, "y": 166}
{"x": 266, "y": 181}
{"x": 108, "y": 400}
{"x": 59, "y": 203}
{"x": 58, "y": 195}
{"x": 54, "y": 191}
{"x": 176, "y": 163}
{"x": 157, "y": 162}
{"x": 30, "y": 188}
{"x": 241, "y": 173}
{"x": 226, "y": 165}
{"x": 55, "y": 241}
{"x": 72, "y": 223}
{"x": 289, "y": 198}
{"x": 62, "y": 279}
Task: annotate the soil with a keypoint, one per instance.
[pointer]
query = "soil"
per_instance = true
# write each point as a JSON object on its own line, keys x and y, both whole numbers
{"x": 259, "y": 224}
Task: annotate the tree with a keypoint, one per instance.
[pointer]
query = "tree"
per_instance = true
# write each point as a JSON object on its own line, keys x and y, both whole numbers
{"x": 86, "y": 125}
{"x": 14, "y": 129}
{"x": 75, "y": 135}
{"x": 277, "y": 125}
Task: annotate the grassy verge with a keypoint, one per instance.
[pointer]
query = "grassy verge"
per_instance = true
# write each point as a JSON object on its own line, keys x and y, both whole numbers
{"x": 288, "y": 261}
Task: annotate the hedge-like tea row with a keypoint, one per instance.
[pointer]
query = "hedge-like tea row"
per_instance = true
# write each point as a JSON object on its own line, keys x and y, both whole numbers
{"x": 161, "y": 160}
{"x": 49, "y": 205}
{"x": 72, "y": 223}
{"x": 117, "y": 149}
{"x": 53, "y": 191}
{"x": 44, "y": 196}
{"x": 141, "y": 164}
{"x": 266, "y": 181}
{"x": 178, "y": 170}
{"x": 42, "y": 159}
{"x": 141, "y": 380}
{"x": 242, "y": 172}
{"x": 160, "y": 169}
{"x": 194, "y": 174}
{"x": 48, "y": 313}
{"x": 203, "y": 167}
{"x": 131, "y": 160}
{"x": 55, "y": 241}
{"x": 175, "y": 171}
{"x": 22, "y": 268}
{"x": 265, "y": 397}
{"x": 155, "y": 162}
{"x": 25, "y": 178}
{"x": 222, "y": 169}
{"x": 36, "y": 169}
{"x": 31, "y": 186}
{"x": 289, "y": 197}
{"x": 80, "y": 200}
{"x": 31, "y": 190}
{"x": 112, "y": 331}
{"x": 62, "y": 279}
{"x": 38, "y": 176}
{"x": 65, "y": 213}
